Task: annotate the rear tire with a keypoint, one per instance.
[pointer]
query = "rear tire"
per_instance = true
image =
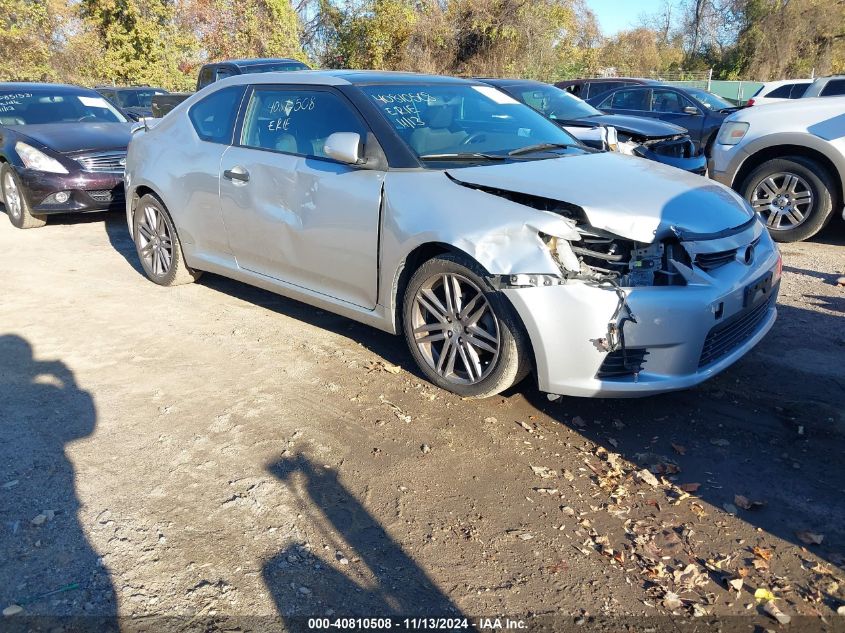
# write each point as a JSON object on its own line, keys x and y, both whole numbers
{"x": 17, "y": 207}
{"x": 465, "y": 336}
{"x": 766, "y": 188}
{"x": 158, "y": 246}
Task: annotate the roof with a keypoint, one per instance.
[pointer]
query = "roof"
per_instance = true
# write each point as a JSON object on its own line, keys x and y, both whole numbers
{"x": 32, "y": 85}
{"x": 106, "y": 87}
{"x": 343, "y": 78}
{"x": 258, "y": 61}
{"x": 497, "y": 81}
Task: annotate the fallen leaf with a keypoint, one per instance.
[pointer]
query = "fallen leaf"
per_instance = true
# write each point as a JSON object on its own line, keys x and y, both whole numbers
{"x": 645, "y": 475}
{"x": 679, "y": 449}
{"x": 765, "y": 554}
{"x": 526, "y": 536}
{"x": 392, "y": 369}
{"x": 525, "y": 426}
{"x": 760, "y": 564}
{"x": 810, "y": 538}
{"x": 736, "y": 584}
{"x": 763, "y": 595}
{"x": 746, "y": 504}
{"x": 579, "y": 422}
{"x": 691, "y": 487}
{"x": 544, "y": 472}
{"x": 671, "y": 601}
{"x": 841, "y": 610}
{"x": 771, "y": 609}
{"x": 11, "y": 610}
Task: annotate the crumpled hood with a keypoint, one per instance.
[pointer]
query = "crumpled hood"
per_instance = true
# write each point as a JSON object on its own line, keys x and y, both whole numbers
{"x": 66, "y": 138}
{"x": 641, "y": 127}
{"x": 628, "y": 196}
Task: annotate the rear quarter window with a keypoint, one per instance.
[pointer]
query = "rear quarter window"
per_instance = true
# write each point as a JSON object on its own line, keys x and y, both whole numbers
{"x": 214, "y": 117}
{"x": 781, "y": 92}
{"x": 833, "y": 88}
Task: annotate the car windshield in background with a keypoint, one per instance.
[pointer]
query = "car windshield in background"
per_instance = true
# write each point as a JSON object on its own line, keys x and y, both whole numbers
{"x": 710, "y": 100}
{"x": 555, "y": 103}
{"x": 136, "y": 98}
{"x": 39, "y": 106}
{"x": 463, "y": 121}
{"x": 276, "y": 68}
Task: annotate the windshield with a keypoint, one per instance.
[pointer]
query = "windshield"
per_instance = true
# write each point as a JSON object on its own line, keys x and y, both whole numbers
{"x": 274, "y": 68}
{"x": 553, "y": 103}
{"x": 463, "y": 120}
{"x": 137, "y": 98}
{"x": 711, "y": 101}
{"x": 55, "y": 106}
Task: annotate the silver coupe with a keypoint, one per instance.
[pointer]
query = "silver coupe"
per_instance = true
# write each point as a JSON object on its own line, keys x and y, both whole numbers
{"x": 444, "y": 210}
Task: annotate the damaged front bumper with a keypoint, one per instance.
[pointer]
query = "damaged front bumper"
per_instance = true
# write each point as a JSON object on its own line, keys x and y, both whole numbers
{"x": 678, "y": 337}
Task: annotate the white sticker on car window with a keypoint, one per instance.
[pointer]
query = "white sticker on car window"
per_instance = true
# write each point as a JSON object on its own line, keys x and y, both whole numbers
{"x": 93, "y": 102}
{"x": 495, "y": 95}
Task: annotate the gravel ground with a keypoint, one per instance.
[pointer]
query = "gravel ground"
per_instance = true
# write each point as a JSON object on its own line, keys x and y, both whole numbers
{"x": 213, "y": 450}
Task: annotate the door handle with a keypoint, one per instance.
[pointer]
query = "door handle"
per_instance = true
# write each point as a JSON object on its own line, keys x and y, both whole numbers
{"x": 236, "y": 173}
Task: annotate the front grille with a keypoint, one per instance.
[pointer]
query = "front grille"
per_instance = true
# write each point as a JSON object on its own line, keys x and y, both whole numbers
{"x": 103, "y": 161}
{"x": 711, "y": 261}
{"x": 727, "y": 336}
{"x": 625, "y": 362}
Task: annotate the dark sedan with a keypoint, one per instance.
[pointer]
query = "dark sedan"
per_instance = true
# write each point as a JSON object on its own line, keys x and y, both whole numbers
{"x": 644, "y": 137}
{"x": 135, "y": 102}
{"x": 62, "y": 150}
{"x": 700, "y": 112}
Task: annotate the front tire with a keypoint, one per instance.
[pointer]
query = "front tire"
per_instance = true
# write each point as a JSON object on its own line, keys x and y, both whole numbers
{"x": 17, "y": 207}
{"x": 465, "y": 337}
{"x": 794, "y": 195}
{"x": 158, "y": 246}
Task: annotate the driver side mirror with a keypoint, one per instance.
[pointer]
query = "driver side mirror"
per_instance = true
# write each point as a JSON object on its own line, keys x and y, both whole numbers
{"x": 344, "y": 147}
{"x": 691, "y": 110}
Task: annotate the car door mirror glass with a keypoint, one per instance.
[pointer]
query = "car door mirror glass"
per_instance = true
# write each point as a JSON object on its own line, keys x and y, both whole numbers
{"x": 344, "y": 147}
{"x": 690, "y": 110}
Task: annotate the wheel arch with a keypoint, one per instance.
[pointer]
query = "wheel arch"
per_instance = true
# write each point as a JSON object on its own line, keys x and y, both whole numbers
{"x": 785, "y": 150}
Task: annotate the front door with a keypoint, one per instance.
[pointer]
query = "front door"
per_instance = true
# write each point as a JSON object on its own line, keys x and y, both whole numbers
{"x": 292, "y": 213}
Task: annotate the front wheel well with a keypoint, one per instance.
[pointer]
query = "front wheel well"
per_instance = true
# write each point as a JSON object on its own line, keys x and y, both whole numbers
{"x": 784, "y": 151}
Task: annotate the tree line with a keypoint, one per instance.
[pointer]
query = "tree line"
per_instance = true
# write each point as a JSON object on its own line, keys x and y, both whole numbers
{"x": 163, "y": 42}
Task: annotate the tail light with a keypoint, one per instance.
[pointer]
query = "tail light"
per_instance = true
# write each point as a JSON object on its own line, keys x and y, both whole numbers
{"x": 750, "y": 103}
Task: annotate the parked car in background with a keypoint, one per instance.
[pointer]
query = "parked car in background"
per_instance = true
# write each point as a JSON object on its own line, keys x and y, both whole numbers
{"x": 446, "y": 210}
{"x": 826, "y": 87}
{"x": 591, "y": 88}
{"x": 62, "y": 150}
{"x": 638, "y": 136}
{"x": 788, "y": 161}
{"x": 135, "y": 102}
{"x": 696, "y": 110}
{"x": 774, "y": 91}
{"x": 216, "y": 71}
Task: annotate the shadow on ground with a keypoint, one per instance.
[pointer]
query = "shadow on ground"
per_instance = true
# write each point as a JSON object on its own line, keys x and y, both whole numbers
{"x": 380, "y": 579}
{"x": 46, "y": 562}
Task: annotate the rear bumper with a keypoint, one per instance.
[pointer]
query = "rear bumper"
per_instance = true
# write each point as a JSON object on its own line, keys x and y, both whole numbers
{"x": 89, "y": 191}
{"x": 686, "y": 334}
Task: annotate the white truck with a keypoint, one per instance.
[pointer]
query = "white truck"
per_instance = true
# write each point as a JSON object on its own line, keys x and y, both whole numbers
{"x": 788, "y": 160}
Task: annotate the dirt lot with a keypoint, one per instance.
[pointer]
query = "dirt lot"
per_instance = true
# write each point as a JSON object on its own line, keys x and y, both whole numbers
{"x": 214, "y": 450}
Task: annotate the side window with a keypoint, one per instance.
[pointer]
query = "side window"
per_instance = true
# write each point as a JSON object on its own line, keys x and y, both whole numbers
{"x": 630, "y": 99}
{"x": 781, "y": 92}
{"x": 667, "y": 101}
{"x": 206, "y": 76}
{"x": 223, "y": 72}
{"x": 834, "y": 87}
{"x": 600, "y": 87}
{"x": 214, "y": 117}
{"x": 297, "y": 121}
{"x": 798, "y": 91}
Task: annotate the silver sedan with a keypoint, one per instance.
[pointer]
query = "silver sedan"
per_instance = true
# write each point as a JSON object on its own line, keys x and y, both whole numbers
{"x": 442, "y": 209}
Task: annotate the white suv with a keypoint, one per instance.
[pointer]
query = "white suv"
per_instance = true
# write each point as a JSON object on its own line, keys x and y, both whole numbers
{"x": 788, "y": 160}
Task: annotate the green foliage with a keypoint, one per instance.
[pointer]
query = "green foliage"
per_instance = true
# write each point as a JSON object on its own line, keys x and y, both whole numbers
{"x": 25, "y": 34}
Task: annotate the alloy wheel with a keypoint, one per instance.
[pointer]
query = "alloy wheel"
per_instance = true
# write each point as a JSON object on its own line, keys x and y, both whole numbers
{"x": 783, "y": 199}
{"x": 455, "y": 329}
{"x": 155, "y": 244}
{"x": 12, "y": 196}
